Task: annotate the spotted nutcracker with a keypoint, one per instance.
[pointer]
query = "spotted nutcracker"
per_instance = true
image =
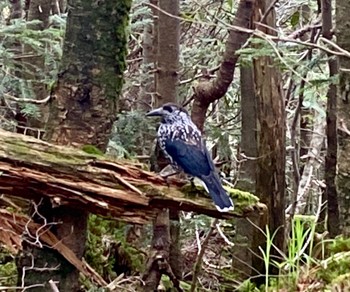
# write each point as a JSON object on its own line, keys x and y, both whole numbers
{"x": 183, "y": 145}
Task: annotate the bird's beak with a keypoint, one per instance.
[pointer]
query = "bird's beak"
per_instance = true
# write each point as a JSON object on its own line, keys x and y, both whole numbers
{"x": 156, "y": 112}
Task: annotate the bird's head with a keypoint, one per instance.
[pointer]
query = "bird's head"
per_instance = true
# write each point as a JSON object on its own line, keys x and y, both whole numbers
{"x": 169, "y": 113}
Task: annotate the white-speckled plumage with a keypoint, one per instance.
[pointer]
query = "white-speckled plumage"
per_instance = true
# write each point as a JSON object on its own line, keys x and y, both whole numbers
{"x": 177, "y": 126}
{"x": 180, "y": 137}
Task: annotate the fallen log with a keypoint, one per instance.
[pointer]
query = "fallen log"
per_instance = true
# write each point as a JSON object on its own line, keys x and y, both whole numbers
{"x": 122, "y": 189}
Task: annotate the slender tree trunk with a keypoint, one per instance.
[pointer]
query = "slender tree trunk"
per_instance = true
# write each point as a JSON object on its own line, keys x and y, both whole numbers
{"x": 167, "y": 60}
{"x": 332, "y": 139}
{"x": 168, "y": 52}
{"x": 159, "y": 252}
{"x": 58, "y": 6}
{"x": 34, "y": 67}
{"x": 83, "y": 108}
{"x": 16, "y": 9}
{"x": 270, "y": 185}
{"x": 343, "y": 163}
{"x": 244, "y": 239}
{"x": 310, "y": 168}
{"x": 149, "y": 51}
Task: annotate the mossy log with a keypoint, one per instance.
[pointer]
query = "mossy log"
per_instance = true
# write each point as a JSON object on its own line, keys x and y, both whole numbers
{"x": 31, "y": 168}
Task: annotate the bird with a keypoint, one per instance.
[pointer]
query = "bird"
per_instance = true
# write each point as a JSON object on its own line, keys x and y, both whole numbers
{"x": 182, "y": 143}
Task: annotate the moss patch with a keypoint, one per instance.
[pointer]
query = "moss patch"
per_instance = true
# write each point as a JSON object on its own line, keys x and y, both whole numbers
{"x": 91, "y": 149}
{"x": 8, "y": 269}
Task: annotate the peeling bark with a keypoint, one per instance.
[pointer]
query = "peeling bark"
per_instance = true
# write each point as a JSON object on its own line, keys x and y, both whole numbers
{"x": 270, "y": 185}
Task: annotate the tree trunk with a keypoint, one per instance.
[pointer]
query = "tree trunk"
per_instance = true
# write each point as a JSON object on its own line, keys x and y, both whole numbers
{"x": 159, "y": 253}
{"x": 245, "y": 246}
{"x": 270, "y": 185}
{"x": 84, "y": 102}
{"x": 331, "y": 130}
{"x": 343, "y": 179}
{"x": 83, "y": 108}
{"x": 16, "y": 9}
{"x": 168, "y": 35}
{"x": 167, "y": 52}
{"x": 34, "y": 68}
{"x": 149, "y": 52}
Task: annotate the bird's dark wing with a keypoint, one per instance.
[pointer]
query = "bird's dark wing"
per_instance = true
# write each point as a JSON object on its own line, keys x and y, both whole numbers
{"x": 193, "y": 158}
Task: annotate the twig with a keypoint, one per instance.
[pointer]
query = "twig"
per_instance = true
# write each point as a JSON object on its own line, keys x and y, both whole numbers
{"x": 10, "y": 288}
{"x": 267, "y": 12}
{"x": 260, "y": 34}
{"x": 129, "y": 185}
{"x": 28, "y": 100}
{"x": 198, "y": 241}
{"x": 53, "y": 286}
{"x": 197, "y": 265}
{"x": 342, "y": 127}
{"x": 224, "y": 237}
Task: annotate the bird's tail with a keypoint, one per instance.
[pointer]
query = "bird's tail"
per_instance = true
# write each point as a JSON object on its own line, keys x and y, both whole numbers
{"x": 214, "y": 187}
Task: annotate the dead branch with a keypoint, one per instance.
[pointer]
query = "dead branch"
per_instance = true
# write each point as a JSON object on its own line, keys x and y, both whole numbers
{"x": 32, "y": 169}
{"x": 20, "y": 224}
{"x": 201, "y": 251}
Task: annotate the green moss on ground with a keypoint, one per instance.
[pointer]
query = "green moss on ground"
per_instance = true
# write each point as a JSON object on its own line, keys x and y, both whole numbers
{"x": 8, "y": 269}
{"x": 108, "y": 252}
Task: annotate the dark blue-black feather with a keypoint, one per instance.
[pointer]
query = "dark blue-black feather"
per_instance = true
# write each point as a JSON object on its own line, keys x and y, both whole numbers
{"x": 194, "y": 159}
{"x": 191, "y": 158}
{"x": 182, "y": 143}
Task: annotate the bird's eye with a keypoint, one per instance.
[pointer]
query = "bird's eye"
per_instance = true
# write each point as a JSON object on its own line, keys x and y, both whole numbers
{"x": 168, "y": 108}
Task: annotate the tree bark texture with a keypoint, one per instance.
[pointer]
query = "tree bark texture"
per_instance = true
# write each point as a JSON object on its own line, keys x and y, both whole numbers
{"x": 343, "y": 178}
{"x": 245, "y": 246}
{"x": 147, "y": 81}
{"x": 83, "y": 108}
{"x": 167, "y": 52}
{"x": 270, "y": 186}
{"x": 84, "y": 101}
{"x": 331, "y": 130}
{"x": 16, "y": 9}
{"x": 165, "y": 253}
{"x": 34, "y": 68}
{"x": 159, "y": 253}
{"x": 248, "y": 145}
{"x": 207, "y": 92}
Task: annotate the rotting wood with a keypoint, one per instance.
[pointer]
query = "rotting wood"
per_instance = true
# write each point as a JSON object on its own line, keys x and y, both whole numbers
{"x": 14, "y": 225}
{"x": 121, "y": 189}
